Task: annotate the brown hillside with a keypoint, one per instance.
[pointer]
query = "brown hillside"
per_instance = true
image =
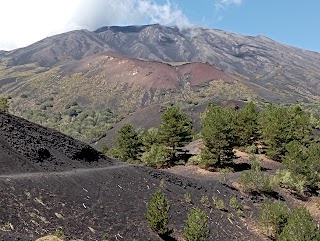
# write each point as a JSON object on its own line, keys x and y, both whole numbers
{"x": 114, "y": 68}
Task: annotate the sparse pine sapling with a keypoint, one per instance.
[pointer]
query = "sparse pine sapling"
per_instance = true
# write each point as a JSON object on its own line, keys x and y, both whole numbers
{"x": 157, "y": 213}
{"x": 205, "y": 201}
{"x": 234, "y": 203}
{"x": 196, "y": 227}
{"x": 187, "y": 198}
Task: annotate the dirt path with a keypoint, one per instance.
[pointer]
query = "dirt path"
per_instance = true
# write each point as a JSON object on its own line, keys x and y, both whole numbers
{"x": 78, "y": 171}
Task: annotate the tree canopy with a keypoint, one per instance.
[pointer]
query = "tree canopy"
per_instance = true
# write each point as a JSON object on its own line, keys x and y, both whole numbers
{"x": 218, "y": 133}
{"x": 128, "y": 143}
{"x": 247, "y": 125}
{"x": 176, "y": 128}
{"x": 281, "y": 125}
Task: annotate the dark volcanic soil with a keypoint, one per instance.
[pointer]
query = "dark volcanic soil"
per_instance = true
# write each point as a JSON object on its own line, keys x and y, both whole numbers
{"x": 88, "y": 197}
{"x": 27, "y": 147}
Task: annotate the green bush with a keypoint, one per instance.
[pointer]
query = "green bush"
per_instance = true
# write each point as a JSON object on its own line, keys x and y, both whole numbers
{"x": 4, "y": 105}
{"x": 205, "y": 201}
{"x": 252, "y": 149}
{"x": 234, "y": 203}
{"x": 300, "y": 226}
{"x": 219, "y": 203}
{"x": 157, "y": 156}
{"x": 196, "y": 227}
{"x": 252, "y": 181}
{"x": 106, "y": 236}
{"x": 240, "y": 213}
{"x": 194, "y": 160}
{"x": 257, "y": 180}
{"x": 303, "y": 163}
{"x": 58, "y": 233}
{"x": 113, "y": 152}
{"x": 273, "y": 217}
{"x": 157, "y": 213}
{"x": 104, "y": 148}
{"x": 255, "y": 163}
{"x": 295, "y": 182}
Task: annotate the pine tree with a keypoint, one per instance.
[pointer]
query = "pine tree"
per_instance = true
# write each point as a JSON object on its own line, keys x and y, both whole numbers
{"x": 157, "y": 213}
{"x": 128, "y": 143}
{"x": 247, "y": 125}
{"x": 150, "y": 138}
{"x": 176, "y": 129}
{"x": 196, "y": 227}
{"x": 303, "y": 162}
{"x": 218, "y": 133}
{"x": 281, "y": 125}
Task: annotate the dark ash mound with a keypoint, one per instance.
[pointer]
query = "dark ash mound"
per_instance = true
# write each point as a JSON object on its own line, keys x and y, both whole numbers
{"x": 27, "y": 147}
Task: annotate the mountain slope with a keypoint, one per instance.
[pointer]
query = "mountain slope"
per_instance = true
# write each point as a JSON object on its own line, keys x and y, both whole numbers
{"x": 87, "y": 94}
{"x": 289, "y": 71}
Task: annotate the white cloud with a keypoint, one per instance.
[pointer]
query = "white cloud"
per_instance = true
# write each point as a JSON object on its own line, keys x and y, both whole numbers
{"x": 23, "y": 22}
{"x": 223, "y": 4}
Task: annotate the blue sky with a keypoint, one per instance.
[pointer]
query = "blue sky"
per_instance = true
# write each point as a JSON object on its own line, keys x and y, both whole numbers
{"x": 293, "y": 22}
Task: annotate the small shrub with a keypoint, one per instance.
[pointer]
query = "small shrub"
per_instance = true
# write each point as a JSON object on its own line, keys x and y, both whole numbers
{"x": 196, "y": 227}
{"x": 257, "y": 180}
{"x": 224, "y": 175}
{"x": 230, "y": 216}
{"x": 300, "y": 226}
{"x": 273, "y": 217}
{"x": 187, "y": 197}
{"x": 106, "y": 236}
{"x": 157, "y": 213}
{"x": 294, "y": 182}
{"x": 234, "y": 203}
{"x": 4, "y": 105}
{"x": 162, "y": 184}
{"x": 58, "y": 233}
{"x": 205, "y": 201}
{"x": 104, "y": 148}
{"x": 194, "y": 160}
{"x": 251, "y": 149}
{"x": 156, "y": 157}
{"x": 255, "y": 163}
{"x": 240, "y": 213}
{"x": 219, "y": 203}
{"x": 207, "y": 159}
{"x": 114, "y": 152}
